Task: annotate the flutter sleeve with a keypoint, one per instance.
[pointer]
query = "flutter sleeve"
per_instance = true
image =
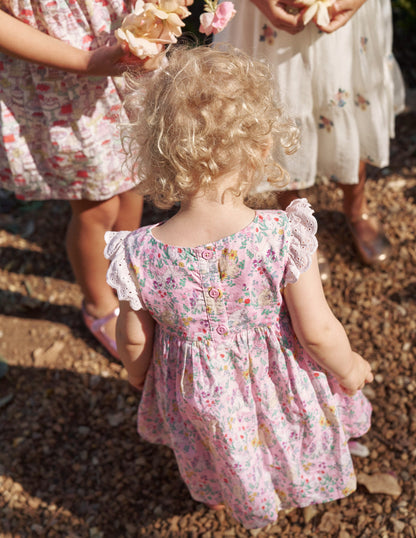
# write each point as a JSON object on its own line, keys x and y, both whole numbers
{"x": 303, "y": 242}
{"x": 120, "y": 274}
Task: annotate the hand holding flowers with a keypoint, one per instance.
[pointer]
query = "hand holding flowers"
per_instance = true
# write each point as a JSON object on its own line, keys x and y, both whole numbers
{"x": 152, "y": 26}
{"x": 328, "y": 15}
{"x": 317, "y": 10}
{"x": 157, "y": 23}
{"x": 340, "y": 13}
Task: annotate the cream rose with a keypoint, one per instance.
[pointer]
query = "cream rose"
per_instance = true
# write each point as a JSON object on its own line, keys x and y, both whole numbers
{"x": 151, "y": 26}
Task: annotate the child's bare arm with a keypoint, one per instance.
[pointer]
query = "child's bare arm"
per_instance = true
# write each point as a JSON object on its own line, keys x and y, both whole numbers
{"x": 341, "y": 12}
{"x": 134, "y": 335}
{"x": 321, "y": 334}
{"x": 22, "y": 41}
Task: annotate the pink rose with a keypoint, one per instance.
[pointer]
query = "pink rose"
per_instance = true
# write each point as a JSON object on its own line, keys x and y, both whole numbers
{"x": 213, "y": 22}
{"x": 205, "y": 26}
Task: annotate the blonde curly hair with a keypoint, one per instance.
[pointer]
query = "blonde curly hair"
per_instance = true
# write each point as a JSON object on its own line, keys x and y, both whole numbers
{"x": 208, "y": 112}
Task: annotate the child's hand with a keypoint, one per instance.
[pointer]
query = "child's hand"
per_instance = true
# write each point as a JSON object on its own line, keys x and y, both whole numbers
{"x": 340, "y": 13}
{"x": 359, "y": 374}
{"x": 285, "y": 15}
{"x": 113, "y": 60}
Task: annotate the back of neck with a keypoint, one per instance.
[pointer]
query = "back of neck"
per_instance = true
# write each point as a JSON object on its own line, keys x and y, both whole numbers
{"x": 205, "y": 219}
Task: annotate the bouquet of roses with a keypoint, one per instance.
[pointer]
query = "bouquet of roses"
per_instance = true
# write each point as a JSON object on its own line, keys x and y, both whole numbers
{"x": 157, "y": 23}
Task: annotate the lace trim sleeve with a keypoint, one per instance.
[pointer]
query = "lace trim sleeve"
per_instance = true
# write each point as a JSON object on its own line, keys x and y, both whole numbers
{"x": 120, "y": 275}
{"x": 303, "y": 242}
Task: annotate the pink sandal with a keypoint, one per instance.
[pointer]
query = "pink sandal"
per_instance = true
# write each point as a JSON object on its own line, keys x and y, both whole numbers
{"x": 358, "y": 449}
{"x": 96, "y": 326}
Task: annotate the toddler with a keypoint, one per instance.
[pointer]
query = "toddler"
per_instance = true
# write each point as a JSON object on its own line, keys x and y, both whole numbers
{"x": 246, "y": 373}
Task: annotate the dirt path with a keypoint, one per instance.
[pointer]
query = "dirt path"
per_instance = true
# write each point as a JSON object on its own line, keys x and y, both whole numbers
{"x": 71, "y": 464}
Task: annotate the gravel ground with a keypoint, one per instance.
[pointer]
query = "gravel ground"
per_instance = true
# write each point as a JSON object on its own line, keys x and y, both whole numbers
{"x": 71, "y": 463}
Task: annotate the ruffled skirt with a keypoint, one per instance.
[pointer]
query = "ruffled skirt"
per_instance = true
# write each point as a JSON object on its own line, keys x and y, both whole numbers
{"x": 344, "y": 88}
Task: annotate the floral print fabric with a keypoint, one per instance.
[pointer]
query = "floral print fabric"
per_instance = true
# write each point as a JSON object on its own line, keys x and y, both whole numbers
{"x": 253, "y": 421}
{"x": 59, "y": 131}
{"x": 343, "y": 88}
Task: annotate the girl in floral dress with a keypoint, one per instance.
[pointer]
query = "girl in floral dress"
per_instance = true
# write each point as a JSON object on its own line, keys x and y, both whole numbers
{"x": 60, "y": 103}
{"x": 342, "y": 83}
{"x": 246, "y": 373}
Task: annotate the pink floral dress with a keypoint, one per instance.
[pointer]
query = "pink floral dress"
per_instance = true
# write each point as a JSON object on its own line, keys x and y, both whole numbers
{"x": 59, "y": 131}
{"x": 253, "y": 421}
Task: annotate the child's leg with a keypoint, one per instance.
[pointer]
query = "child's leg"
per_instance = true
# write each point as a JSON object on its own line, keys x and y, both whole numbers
{"x": 370, "y": 241}
{"x": 130, "y": 211}
{"x": 85, "y": 247}
{"x": 355, "y": 201}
